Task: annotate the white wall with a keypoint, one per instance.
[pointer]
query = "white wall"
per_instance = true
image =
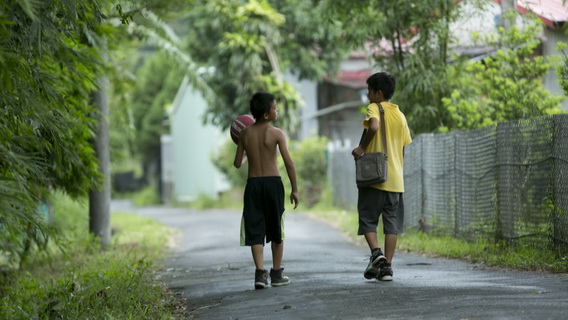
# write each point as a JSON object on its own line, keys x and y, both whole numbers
{"x": 193, "y": 145}
{"x": 308, "y": 91}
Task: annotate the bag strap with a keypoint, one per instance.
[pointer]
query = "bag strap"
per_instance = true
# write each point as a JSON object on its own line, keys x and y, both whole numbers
{"x": 383, "y": 130}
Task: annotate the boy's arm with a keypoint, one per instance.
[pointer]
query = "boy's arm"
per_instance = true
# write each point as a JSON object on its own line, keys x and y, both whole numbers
{"x": 290, "y": 168}
{"x": 371, "y": 131}
{"x": 240, "y": 156}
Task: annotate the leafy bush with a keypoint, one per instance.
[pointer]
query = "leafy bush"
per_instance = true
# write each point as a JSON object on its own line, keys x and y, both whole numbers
{"x": 311, "y": 167}
{"x": 147, "y": 196}
{"x": 45, "y": 123}
{"x": 506, "y": 86}
{"x": 224, "y": 159}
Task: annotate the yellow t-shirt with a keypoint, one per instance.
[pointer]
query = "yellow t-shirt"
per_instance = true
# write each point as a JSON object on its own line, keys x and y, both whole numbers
{"x": 398, "y": 136}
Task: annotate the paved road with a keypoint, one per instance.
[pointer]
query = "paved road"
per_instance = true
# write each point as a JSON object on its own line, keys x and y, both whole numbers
{"x": 215, "y": 274}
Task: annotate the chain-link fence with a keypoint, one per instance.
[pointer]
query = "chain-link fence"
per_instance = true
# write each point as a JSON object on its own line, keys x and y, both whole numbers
{"x": 505, "y": 182}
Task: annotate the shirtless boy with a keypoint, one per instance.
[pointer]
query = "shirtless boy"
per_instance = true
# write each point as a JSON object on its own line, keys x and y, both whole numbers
{"x": 263, "y": 212}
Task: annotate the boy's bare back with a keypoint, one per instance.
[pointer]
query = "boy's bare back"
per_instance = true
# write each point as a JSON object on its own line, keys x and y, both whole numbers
{"x": 259, "y": 143}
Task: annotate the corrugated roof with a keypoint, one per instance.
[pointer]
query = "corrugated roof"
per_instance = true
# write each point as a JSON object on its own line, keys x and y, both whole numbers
{"x": 552, "y": 12}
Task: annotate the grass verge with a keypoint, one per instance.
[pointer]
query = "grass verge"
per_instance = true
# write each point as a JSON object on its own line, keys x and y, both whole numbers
{"x": 75, "y": 279}
{"x": 230, "y": 199}
{"x": 526, "y": 255}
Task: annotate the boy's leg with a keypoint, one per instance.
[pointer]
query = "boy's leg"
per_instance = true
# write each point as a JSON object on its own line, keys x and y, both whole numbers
{"x": 277, "y": 253}
{"x": 369, "y": 204}
{"x": 276, "y": 277}
{"x": 260, "y": 275}
{"x": 393, "y": 218}
{"x": 385, "y": 271}
{"x": 390, "y": 246}
{"x": 377, "y": 258}
{"x": 367, "y": 209}
{"x": 371, "y": 238}
{"x": 258, "y": 255}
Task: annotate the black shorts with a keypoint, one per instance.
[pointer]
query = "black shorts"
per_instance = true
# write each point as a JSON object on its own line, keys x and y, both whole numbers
{"x": 263, "y": 211}
{"x": 372, "y": 203}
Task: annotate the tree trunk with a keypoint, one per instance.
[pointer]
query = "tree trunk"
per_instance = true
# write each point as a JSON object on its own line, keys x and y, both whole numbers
{"x": 99, "y": 200}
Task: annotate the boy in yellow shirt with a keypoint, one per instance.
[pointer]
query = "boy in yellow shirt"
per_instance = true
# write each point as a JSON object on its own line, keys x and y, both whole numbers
{"x": 384, "y": 198}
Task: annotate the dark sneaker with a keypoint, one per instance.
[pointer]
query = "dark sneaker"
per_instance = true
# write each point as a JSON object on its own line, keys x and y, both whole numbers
{"x": 260, "y": 279}
{"x": 385, "y": 273}
{"x": 277, "y": 279}
{"x": 375, "y": 262}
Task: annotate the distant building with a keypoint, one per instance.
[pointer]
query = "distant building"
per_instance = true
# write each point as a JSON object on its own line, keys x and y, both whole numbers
{"x": 554, "y": 14}
{"x": 188, "y": 171}
{"x": 339, "y": 99}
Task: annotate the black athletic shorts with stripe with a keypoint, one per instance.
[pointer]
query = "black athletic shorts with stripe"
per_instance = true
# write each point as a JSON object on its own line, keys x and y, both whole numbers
{"x": 263, "y": 212}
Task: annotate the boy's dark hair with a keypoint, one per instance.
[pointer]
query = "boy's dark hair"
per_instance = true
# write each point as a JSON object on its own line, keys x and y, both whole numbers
{"x": 384, "y": 82}
{"x": 260, "y": 104}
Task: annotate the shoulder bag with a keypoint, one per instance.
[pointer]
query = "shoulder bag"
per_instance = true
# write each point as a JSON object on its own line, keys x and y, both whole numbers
{"x": 372, "y": 168}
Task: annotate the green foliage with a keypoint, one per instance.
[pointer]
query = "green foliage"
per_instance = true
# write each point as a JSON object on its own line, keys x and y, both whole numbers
{"x": 237, "y": 38}
{"x": 206, "y": 202}
{"x": 158, "y": 81}
{"x": 340, "y": 219}
{"x": 325, "y": 202}
{"x": 223, "y": 160}
{"x": 310, "y": 158}
{"x": 411, "y": 40}
{"x": 47, "y": 67}
{"x": 311, "y": 168}
{"x": 146, "y": 197}
{"x": 562, "y": 69}
{"x": 312, "y": 45}
{"x": 51, "y": 53}
{"x": 506, "y": 86}
{"x": 443, "y": 246}
{"x": 251, "y": 44}
{"x": 81, "y": 282}
{"x": 92, "y": 292}
{"x": 146, "y": 71}
{"x": 140, "y": 117}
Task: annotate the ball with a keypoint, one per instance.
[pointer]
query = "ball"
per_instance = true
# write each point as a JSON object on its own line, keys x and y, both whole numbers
{"x": 239, "y": 124}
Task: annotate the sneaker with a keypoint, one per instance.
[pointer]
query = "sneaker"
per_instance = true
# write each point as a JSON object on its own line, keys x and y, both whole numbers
{"x": 375, "y": 262}
{"x": 385, "y": 273}
{"x": 276, "y": 278}
{"x": 260, "y": 279}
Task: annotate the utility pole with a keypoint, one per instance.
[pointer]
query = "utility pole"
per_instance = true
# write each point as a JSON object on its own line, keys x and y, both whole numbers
{"x": 99, "y": 200}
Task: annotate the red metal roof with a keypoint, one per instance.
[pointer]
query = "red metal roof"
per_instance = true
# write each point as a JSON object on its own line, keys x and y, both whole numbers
{"x": 552, "y": 12}
{"x": 354, "y": 79}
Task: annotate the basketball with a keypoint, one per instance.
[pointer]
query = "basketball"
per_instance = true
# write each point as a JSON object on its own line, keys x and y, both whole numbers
{"x": 239, "y": 124}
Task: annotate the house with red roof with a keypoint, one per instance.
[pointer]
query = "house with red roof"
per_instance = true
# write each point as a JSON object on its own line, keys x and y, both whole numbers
{"x": 340, "y": 98}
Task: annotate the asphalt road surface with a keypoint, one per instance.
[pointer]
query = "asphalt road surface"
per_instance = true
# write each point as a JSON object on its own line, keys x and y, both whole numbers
{"x": 215, "y": 276}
